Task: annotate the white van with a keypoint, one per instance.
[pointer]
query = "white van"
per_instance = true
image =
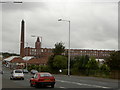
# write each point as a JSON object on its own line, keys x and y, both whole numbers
{"x": 17, "y": 74}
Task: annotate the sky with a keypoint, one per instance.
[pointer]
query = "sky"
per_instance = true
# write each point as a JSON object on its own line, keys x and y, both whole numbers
{"x": 93, "y": 24}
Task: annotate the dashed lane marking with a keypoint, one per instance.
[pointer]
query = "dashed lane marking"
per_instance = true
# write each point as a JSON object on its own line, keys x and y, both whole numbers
{"x": 62, "y": 87}
{"x": 82, "y": 84}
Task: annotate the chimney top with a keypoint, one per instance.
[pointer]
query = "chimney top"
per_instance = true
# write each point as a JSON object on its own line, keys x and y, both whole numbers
{"x": 22, "y": 20}
{"x": 38, "y": 40}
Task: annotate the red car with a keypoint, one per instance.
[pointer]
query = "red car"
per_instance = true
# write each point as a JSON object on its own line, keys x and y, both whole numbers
{"x": 42, "y": 79}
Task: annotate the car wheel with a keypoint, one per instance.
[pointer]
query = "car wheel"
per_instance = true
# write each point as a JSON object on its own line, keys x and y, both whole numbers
{"x": 10, "y": 78}
{"x": 52, "y": 86}
{"x": 22, "y": 78}
{"x": 31, "y": 84}
{"x": 36, "y": 85}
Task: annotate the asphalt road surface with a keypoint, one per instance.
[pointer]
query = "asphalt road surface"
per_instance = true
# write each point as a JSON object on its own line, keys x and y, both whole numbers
{"x": 62, "y": 81}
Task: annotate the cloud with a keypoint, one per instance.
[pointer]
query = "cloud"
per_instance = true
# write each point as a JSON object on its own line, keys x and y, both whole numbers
{"x": 93, "y": 25}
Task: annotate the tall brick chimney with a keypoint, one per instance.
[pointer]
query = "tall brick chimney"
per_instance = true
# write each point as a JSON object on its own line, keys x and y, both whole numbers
{"x": 22, "y": 39}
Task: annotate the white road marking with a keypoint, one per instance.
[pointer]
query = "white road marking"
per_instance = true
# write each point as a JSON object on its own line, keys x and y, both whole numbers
{"x": 27, "y": 79}
{"x": 62, "y": 87}
{"x": 82, "y": 84}
{"x": 16, "y": 81}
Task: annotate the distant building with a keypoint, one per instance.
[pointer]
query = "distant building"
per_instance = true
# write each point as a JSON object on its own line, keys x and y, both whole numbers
{"x": 7, "y": 61}
{"x": 38, "y": 61}
{"x": 99, "y": 54}
{"x": 17, "y": 63}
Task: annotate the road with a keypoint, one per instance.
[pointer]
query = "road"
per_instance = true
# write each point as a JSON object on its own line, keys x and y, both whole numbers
{"x": 62, "y": 81}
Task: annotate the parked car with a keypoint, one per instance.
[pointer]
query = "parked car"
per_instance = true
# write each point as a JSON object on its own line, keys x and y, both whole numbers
{"x": 42, "y": 79}
{"x": 33, "y": 71}
{"x": 17, "y": 74}
{"x": 25, "y": 71}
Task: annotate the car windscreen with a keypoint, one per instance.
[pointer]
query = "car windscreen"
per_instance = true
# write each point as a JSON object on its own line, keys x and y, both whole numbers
{"x": 34, "y": 71}
{"x": 45, "y": 75}
{"x": 18, "y": 71}
{"x": 25, "y": 70}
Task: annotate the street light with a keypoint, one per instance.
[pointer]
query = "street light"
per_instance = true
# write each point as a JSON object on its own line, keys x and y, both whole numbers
{"x": 69, "y": 45}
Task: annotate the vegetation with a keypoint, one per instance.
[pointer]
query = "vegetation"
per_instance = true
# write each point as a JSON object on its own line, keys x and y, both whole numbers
{"x": 104, "y": 70}
{"x": 81, "y": 61}
{"x": 57, "y": 61}
{"x": 84, "y": 65}
{"x": 40, "y": 68}
{"x": 114, "y": 61}
{"x": 92, "y": 64}
{"x": 78, "y": 64}
{"x": 6, "y": 54}
{"x": 59, "y": 48}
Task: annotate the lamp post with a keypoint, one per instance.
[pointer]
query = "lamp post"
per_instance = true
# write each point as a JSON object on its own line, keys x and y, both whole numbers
{"x": 69, "y": 46}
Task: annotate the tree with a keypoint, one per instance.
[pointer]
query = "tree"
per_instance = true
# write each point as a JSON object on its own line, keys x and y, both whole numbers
{"x": 80, "y": 62}
{"x": 104, "y": 68}
{"x": 92, "y": 64}
{"x": 55, "y": 63}
{"x": 59, "y": 49}
{"x": 114, "y": 60}
{"x": 6, "y": 54}
{"x": 50, "y": 62}
{"x": 60, "y": 62}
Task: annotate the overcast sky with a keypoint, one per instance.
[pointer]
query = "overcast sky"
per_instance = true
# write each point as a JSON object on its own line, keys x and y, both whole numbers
{"x": 94, "y": 23}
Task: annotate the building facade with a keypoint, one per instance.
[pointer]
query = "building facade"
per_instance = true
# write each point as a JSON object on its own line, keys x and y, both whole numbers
{"x": 43, "y": 52}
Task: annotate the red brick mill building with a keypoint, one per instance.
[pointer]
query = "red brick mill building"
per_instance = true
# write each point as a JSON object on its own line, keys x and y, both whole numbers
{"x": 40, "y": 52}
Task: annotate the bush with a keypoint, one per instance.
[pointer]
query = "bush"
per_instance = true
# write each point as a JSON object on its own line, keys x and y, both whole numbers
{"x": 55, "y": 63}
{"x": 64, "y": 71}
{"x": 44, "y": 68}
{"x": 114, "y": 61}
{"x": 105, "y": 70}
{"x": 74, "y": 71}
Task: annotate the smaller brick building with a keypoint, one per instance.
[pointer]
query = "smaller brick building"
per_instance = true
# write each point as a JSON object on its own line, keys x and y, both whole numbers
{"x": 38, "y": 61}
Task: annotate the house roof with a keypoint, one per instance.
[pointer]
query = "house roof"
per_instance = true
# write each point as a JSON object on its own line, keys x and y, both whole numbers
{"x": 10, "y": 58}
{"x": 42, "y": 60}
{"x": 17, "y": 60}
{"x": 26, "y": 58}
